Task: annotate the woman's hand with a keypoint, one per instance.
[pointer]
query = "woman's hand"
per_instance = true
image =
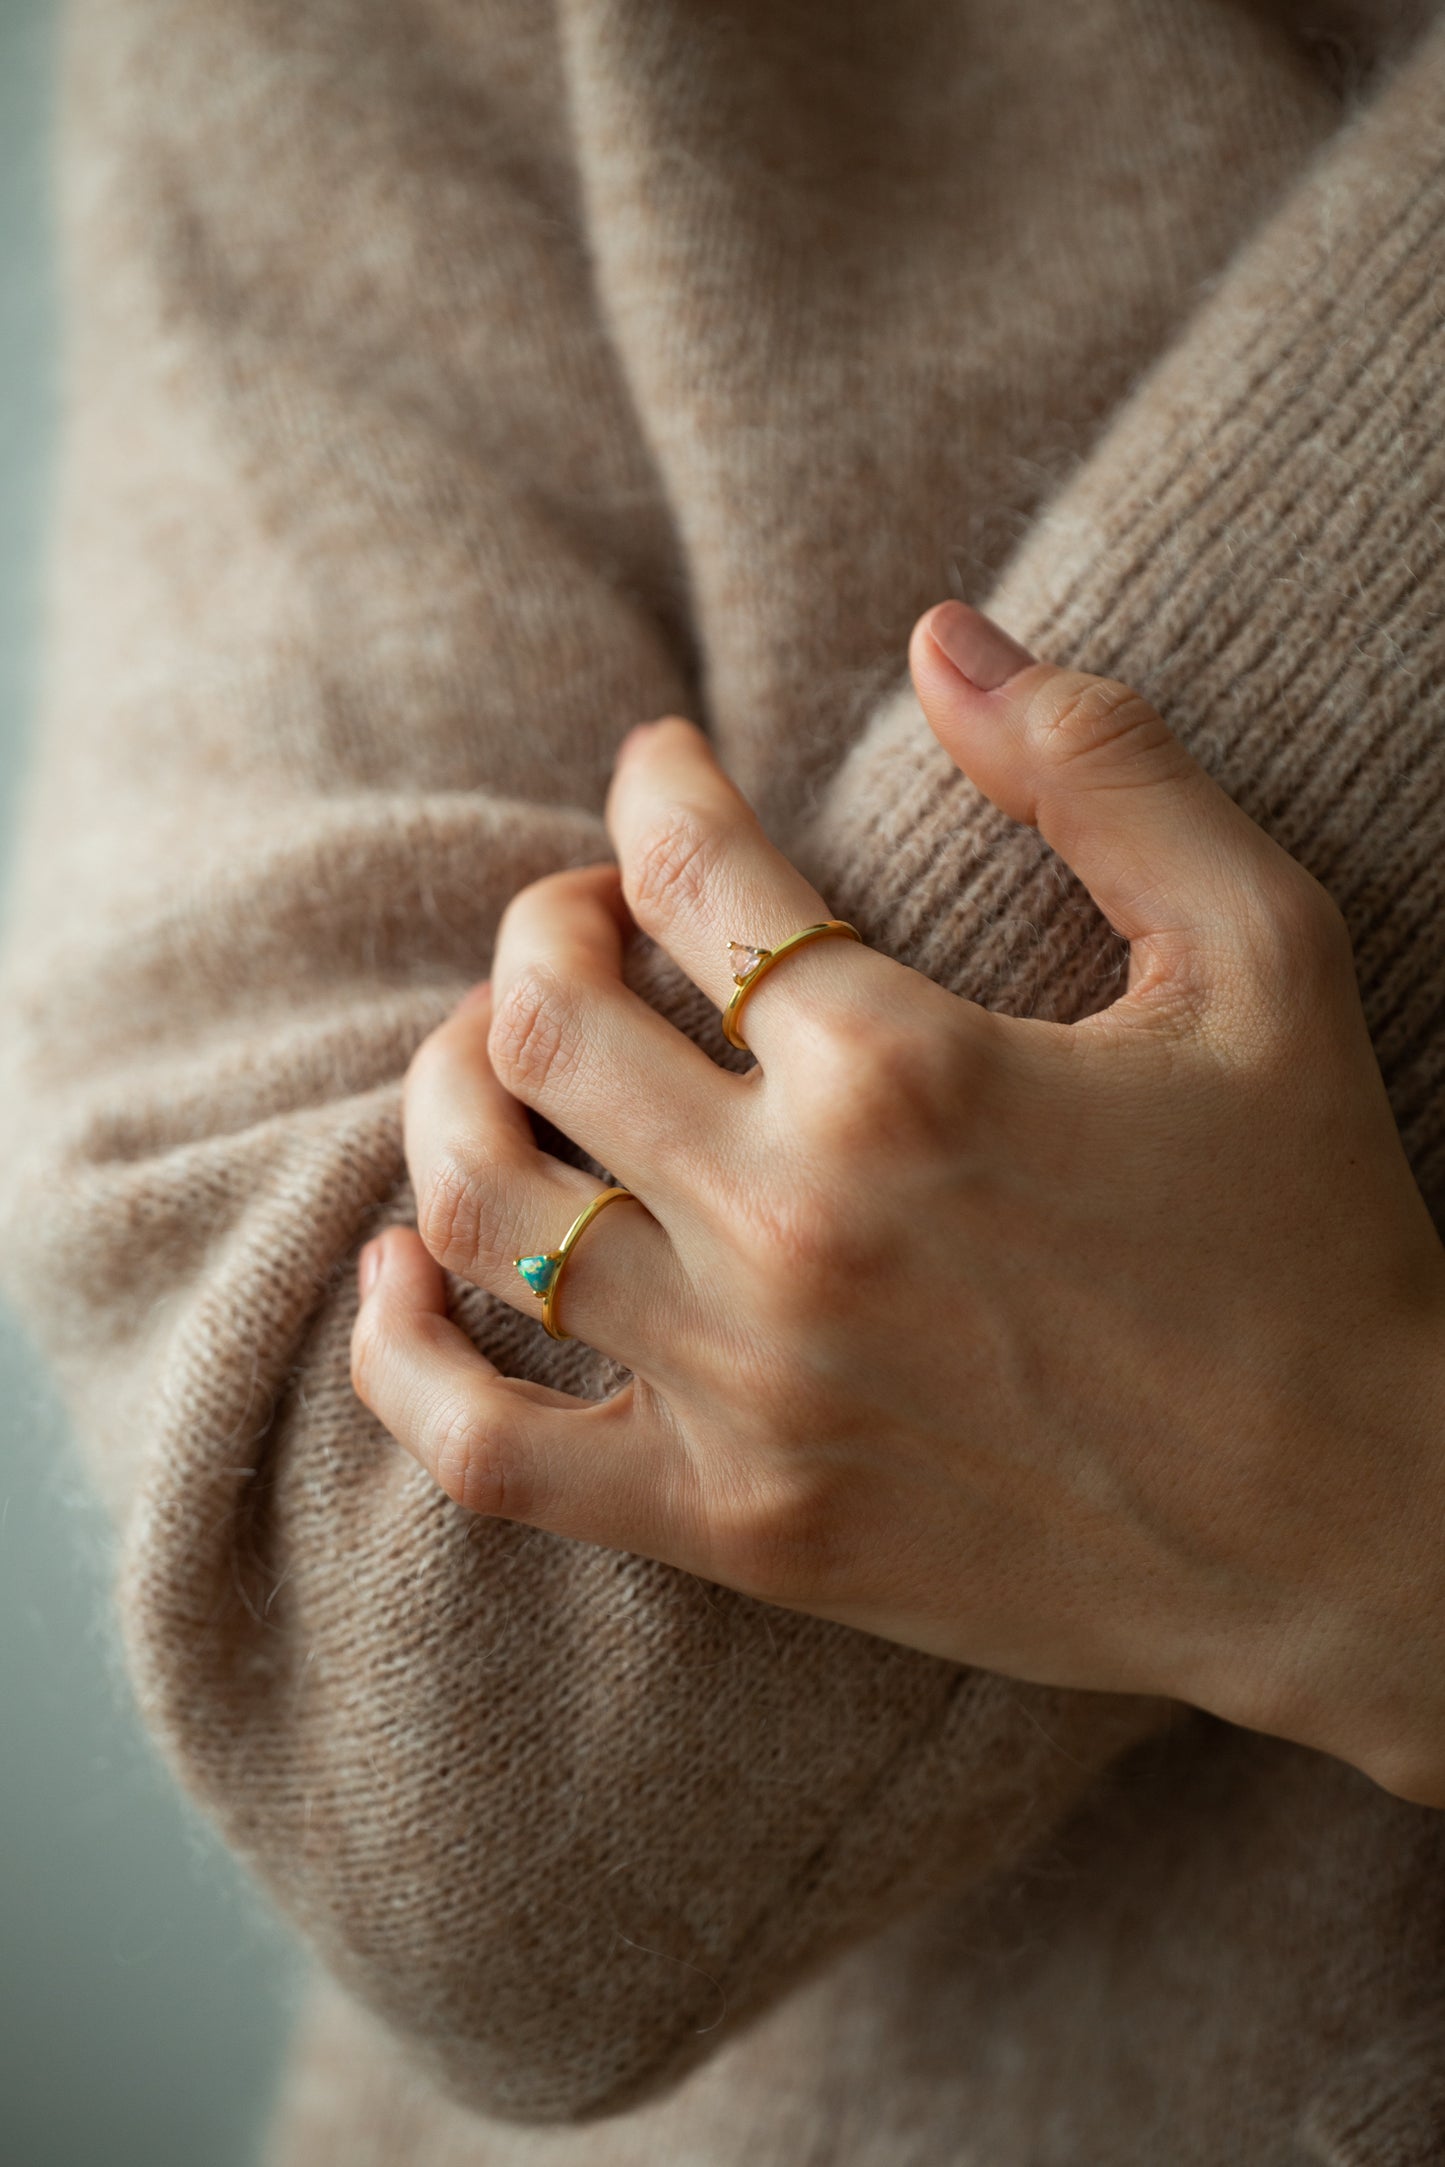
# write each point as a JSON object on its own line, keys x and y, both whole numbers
{"x": 1107, "y": 1354}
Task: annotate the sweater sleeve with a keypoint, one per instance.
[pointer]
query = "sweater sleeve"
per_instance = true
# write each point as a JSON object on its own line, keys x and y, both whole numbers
{"x": 362, "y": 568}
{"x": 1255, "y": 542}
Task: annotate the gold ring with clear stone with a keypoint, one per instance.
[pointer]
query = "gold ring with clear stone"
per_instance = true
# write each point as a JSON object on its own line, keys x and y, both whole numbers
{"x": 753, "y": 964}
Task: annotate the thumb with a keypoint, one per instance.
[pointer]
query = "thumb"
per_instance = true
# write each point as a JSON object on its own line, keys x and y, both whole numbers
{"x": 1170, "y": 859}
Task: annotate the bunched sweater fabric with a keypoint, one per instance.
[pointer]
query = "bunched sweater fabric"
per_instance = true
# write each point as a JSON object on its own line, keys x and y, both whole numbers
{"x": 448, "y": 387}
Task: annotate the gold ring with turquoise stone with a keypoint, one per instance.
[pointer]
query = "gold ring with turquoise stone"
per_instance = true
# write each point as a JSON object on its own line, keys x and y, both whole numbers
{"x": 543, "y": 1273}
{"x": 751, "y": 964}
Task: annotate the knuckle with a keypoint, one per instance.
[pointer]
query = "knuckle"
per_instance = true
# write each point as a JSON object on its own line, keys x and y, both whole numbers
{"x": 896, "y": 1088}
{"x": 1293, "y": 978}
{"x": 1075, "y": 717}
{"x": 470, "y": 1457}
{"x": 785, "y": 1238}
{"x": 455, "y": 1206}
{"x": 783, "y": 1535}
{"x": 813, "y": 1246}
{"x": 670, "y": 867}
{"x": 1296, "y": 939}
{"x": 531, "y": 1041}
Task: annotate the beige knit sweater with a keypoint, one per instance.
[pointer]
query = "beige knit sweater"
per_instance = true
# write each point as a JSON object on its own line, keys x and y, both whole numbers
{"x": 452, "y": 383}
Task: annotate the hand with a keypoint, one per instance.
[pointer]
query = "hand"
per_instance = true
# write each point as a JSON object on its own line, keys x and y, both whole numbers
{"x": 1105, "y": 1354}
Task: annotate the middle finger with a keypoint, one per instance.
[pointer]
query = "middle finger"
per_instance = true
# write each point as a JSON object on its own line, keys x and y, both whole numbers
{"x": 576, "y": 1044}
{"x": 699, "y": 872}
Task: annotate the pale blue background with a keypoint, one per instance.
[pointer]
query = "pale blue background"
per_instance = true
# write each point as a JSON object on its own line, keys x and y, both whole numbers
{"x": 144, "y": 1993}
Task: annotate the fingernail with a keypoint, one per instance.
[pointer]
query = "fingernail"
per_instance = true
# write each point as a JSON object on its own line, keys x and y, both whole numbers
{"x": 979, "y": 649}
{"x": 368, "y": 1266}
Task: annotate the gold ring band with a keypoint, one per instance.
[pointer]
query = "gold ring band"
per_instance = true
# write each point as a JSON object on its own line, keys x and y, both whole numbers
{"x": 543, "y": 1272}
{"x": 757, "y": 962}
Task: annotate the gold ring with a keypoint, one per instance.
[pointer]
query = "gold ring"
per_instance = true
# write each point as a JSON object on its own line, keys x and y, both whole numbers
{"x": 754, "y": 963}
{"x": 543, "y": 1273}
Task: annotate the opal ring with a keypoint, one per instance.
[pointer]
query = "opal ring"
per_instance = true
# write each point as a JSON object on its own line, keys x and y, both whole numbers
{"x": 750, "y": 964}
{"x": 543, "y": 1273}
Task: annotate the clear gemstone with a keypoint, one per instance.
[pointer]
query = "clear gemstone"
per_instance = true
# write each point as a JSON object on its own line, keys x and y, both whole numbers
{"x": 745, "y": 961}
{"x": 539, "y": 1272}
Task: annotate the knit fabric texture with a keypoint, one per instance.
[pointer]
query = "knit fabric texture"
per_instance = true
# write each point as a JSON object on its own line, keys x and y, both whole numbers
{"x": 450, "y": 386}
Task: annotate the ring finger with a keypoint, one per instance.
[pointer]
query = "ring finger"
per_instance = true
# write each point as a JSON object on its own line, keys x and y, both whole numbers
{"x": 487, "y": 1196}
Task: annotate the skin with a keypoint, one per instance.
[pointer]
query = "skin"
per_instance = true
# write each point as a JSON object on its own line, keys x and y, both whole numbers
{"x": 1107, "y": 1355}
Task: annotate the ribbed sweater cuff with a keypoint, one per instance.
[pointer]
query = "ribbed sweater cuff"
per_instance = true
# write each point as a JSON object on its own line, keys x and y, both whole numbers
{"x": 1256, "y": 543}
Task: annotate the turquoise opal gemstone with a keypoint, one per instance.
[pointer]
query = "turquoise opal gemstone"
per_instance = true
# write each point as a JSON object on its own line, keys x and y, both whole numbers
{"x": 539, "y": 1272}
